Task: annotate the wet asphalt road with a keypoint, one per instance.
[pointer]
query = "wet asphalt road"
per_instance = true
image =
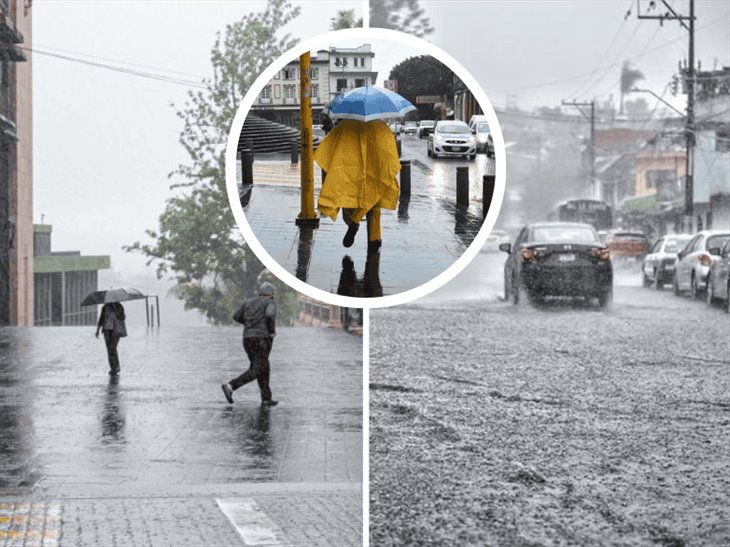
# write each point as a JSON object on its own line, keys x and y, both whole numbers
{"x": 561, "y": 425}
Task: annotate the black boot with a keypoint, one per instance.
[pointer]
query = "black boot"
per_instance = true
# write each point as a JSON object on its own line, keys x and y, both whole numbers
{"x": 349, "y": 238}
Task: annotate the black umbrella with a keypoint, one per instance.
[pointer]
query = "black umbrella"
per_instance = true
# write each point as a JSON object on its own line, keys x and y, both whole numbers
{"x": 111, "y": 295}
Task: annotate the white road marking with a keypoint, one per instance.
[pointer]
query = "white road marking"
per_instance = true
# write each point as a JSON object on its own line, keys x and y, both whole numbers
{"x": 254, "y": 526}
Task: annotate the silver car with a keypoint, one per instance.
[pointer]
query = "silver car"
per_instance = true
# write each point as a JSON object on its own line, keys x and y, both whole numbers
{"x": 718, "y": 281}
{"x": 658, "y": 266}
{"x": 485, "y": 143}
{"x": 694, "y": 261}
{"x": 451, "y": 138}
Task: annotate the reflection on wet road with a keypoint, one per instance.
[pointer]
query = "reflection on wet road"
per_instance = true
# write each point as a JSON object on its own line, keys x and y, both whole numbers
{"x": 163, "y": 421}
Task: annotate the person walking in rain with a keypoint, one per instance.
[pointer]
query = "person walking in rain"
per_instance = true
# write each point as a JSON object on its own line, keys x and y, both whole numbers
{"x": 258, "y": 315}
{"x": 361, "y": 161}
{"x": 111, "y": 323}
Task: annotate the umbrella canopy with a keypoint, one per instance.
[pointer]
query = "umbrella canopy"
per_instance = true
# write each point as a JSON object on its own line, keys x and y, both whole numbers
{"x": 366, "y": 104}
{"x": 111, "y": 295}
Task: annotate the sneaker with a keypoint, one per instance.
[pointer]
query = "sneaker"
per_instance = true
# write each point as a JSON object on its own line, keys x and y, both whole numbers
{"x": 349, "y": 238}
{"x": 228, "y": 393}
{"x": 270, "y": 402}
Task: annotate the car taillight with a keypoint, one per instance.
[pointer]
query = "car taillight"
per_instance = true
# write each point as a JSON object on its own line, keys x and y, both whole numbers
{"x": 601, "y": 254}
{"x": 705, "y": 260}
{"x": 528, "y": 255}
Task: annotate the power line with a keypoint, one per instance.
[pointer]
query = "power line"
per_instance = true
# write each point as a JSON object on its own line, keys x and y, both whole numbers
{"x": 129, "y": 71}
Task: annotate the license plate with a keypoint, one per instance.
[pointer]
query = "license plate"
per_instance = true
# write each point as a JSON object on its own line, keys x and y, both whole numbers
{"x": 568, "y": 257}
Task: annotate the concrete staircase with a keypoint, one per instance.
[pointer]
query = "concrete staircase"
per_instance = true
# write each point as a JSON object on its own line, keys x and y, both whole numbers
{"x": 268, "y": 136}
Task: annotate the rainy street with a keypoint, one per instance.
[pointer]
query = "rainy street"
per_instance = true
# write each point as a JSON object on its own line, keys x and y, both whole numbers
{"x": 558, "y": 425}
{"x": 161, "y": 450}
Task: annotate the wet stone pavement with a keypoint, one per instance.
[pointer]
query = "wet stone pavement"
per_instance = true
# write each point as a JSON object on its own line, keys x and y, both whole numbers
{"x": 158, "y": 457}
{"x": 421, "y": 239}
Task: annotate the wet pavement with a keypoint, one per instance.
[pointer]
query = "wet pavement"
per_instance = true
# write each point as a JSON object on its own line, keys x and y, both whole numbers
{"x": 421, "y": 239}
{"x": 561, "y": 424}
{"x": 154, "y": 456}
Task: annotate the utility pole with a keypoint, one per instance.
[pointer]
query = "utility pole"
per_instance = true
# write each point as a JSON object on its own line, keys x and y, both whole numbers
{"x": 307, "y": 215}
{"x": 672, "y": 15}
{"x": 592, "y": 148}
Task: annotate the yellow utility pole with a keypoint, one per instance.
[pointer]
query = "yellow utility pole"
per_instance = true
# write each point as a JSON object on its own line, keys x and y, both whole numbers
{"x": 307, "y": 215}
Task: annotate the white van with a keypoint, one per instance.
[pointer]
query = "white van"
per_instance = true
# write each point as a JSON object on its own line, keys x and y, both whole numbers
{"x": 475, "y": 119}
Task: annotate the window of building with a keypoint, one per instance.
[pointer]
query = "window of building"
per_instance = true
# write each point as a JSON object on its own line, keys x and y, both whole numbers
{"x": 290, "y": 73}
{"x": 659, "y": 177}
{"x": 266, "y": 92}
{"x": 722, "y": 140}
{"x": 341, "y": 84}
{"x": 355, "y": 61}
{"x": 290, "y": 91}
{"x": 315, "y": 73}
{"x": 315, "y": 91}
{"x": 277, "y": 75}
{"x": 362, "y": 61}
{"x": 359, "y": 82}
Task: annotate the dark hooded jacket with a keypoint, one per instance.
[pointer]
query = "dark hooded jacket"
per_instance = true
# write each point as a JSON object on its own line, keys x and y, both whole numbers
{"x": 258, "y": 316}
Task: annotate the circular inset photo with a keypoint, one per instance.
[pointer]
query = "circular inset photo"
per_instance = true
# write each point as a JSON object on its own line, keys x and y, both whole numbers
{"x": 365, "y": 167}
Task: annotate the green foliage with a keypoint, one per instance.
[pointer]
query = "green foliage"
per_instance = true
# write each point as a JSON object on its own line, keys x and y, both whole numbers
{"x": 345, "y": 19}
{"x": 423, "y": 75}
{"x": 198, "y": 243}
{"x": 404, "y": 15}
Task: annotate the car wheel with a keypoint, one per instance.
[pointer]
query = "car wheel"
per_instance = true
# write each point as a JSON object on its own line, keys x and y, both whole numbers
{"x": 675, "y": 285}
{"x": 727, "y": 298}
{"x": 605, "y": 298}
{"x": 646, "y": 281}
{"x": 658, "y": 281}
{"x": 694, "y": 290}
{"x": 429, "y": 153}
{"x": 516, "y": 291}
{"x": 710, "y": 297}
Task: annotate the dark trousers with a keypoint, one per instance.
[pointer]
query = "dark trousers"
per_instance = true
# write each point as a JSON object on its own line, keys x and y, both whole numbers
{"x": 111, "y": 339}
{"x": 258, "y": 350}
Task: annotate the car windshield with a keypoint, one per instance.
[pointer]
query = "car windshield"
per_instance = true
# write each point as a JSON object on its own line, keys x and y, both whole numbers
{"x": 675, "y": 245}
{"x": 427, "y": 123}
{"x": 716, "y": 241}
{"x": 564, "y": 234}
{"x": 483, "y": 128}
{"x": 411, "y": 124}
{"x": 453, "y": 128}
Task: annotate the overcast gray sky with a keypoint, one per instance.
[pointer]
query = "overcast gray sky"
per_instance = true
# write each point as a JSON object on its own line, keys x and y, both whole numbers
{"x": 104, "y": 142}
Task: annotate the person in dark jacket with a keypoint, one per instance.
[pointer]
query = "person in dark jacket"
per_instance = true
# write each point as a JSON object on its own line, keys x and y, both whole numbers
{"x": 258, "y": 315}
{"x": 111, "y": 314}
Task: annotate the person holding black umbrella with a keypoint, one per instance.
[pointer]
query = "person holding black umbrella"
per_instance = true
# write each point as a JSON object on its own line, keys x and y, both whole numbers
{"x": 111, "y": 323}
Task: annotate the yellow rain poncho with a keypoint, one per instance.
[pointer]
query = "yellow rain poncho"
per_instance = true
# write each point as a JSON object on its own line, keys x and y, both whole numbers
{"x": 361, "y": 162}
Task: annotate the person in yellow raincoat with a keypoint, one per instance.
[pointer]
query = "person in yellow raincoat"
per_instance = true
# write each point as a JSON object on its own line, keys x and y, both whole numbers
{"x": 362, "y": 165}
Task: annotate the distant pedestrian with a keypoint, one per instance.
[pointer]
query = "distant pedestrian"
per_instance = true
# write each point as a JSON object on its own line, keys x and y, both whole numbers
{"x": 111, "y": 323}
{"x": 258, "y": 315}
{"x": 327, "y": 124}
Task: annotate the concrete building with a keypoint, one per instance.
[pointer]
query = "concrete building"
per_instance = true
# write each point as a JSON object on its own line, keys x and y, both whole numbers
{"x": 711, "y": 153}
{"x": 16, "y": 165}
{"x": 62, "y": 280}
{"x": 333, "y": 71}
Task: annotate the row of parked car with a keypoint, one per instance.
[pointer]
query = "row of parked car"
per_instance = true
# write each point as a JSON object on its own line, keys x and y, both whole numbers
{"x": 569, "y": 259}
{"x": 451, "y": 138}
{"x": 698, "y": 264}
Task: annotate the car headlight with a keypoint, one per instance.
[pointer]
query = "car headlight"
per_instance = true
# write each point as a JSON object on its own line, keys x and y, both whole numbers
{"x": 438, "y": 138}
{"x": 471, "y": 139}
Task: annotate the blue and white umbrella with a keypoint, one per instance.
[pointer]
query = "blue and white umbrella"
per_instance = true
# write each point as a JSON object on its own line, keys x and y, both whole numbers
{"x": 367, "y": 104}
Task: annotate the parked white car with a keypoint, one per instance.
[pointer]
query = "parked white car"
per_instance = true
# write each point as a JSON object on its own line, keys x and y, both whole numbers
{"x": 658, "y": 266}
{"x": 694, "y": 261}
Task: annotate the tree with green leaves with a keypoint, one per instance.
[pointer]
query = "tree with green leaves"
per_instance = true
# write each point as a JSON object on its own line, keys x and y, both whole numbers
{"x": 404, "y": 15}
{"x": 423, "y": 75}
{"x": 345, "y": 19}
{"x": 197, "y": 242}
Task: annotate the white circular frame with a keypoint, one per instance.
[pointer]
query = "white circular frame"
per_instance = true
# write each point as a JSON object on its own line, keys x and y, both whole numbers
{"x": 290, "y": 279}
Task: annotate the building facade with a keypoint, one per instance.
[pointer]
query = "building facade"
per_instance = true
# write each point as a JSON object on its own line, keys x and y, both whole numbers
{"x": 16, "y": 165}
{"x": 62, "y": 280}
{"x": 333, "y": 71}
